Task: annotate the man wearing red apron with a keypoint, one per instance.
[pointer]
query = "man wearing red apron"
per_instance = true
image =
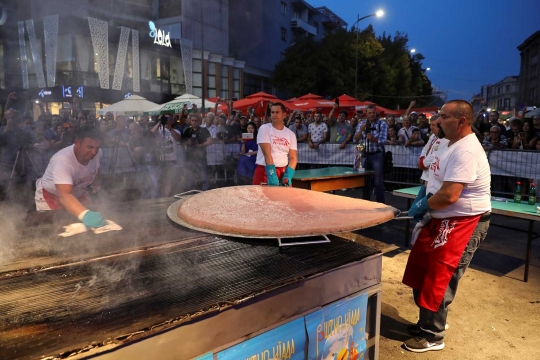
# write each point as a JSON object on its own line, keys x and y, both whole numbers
{"x": 69, "y": 173}
{"x": 277, "y": 155}
{"x": 457, "y": 196}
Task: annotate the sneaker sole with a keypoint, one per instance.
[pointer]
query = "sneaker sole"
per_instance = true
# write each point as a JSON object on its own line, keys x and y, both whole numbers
{"x": 431, "y": 348}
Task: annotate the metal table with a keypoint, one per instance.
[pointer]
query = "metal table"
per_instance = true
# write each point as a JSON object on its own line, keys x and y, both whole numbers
{"x": 157, "y": 290}
{"x": 511, "y": 209}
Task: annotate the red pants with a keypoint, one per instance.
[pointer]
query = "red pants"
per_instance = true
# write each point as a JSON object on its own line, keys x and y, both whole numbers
{"x": 260, "y": 174}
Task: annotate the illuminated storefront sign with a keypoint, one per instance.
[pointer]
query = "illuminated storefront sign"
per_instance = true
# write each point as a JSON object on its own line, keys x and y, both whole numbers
{"x": 160, "y": 37}
{"x": 68, "y": 93}
{"x": 44, "y": 93}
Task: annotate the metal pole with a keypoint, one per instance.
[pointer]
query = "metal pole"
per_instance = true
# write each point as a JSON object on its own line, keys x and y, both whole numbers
{"x": 204, "y": 73}
{"x": 356, "y": 68}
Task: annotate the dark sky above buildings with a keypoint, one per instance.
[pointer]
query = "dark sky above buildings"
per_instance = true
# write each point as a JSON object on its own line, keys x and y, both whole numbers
{"x": 466, "y": 43}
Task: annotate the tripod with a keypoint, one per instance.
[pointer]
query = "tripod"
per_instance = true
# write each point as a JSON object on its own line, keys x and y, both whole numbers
{"x": 114, "y": 159}
{"x": 20, "y": 155}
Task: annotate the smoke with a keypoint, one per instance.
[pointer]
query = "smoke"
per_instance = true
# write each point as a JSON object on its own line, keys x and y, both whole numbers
{"x": 12, "y": 222}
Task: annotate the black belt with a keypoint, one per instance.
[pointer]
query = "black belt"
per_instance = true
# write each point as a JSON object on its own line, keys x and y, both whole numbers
{"x": 485, "y": 217}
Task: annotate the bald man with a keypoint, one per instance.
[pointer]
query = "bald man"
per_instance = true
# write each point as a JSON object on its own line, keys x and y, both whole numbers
{"x": 458, "y": 199}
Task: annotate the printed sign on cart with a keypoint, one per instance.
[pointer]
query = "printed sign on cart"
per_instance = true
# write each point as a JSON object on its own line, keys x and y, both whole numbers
{"x": 209, "y": 356}
{"x": 286, "y": 342}
{"x": 337, "y": 331}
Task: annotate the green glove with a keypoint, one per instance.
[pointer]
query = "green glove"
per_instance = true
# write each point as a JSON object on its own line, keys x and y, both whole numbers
{"x": 287, "y": 176}
{"x": 271, "y": 175}
{"x": 93, "y": 219}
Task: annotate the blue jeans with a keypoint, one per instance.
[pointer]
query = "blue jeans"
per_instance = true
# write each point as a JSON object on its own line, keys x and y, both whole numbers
{"x": 432, "y": 323}
{"x": 374, "y": 162}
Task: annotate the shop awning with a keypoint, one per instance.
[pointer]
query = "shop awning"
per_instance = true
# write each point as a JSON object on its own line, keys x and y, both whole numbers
{"x": 134, "y": 105}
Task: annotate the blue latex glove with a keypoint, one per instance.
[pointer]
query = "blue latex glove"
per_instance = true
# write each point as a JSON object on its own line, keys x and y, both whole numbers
{"x": 93, "y": 219}
{"x": 287, "y": 176}
{"x": 421, "y": 193}
{"x": 419, "y": 208}
{"x": 271, "y": 175}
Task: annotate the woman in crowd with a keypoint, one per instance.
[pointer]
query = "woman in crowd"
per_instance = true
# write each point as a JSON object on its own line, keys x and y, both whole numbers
{"x": 529, "y": 136}
{"x": 393, "y": 138}
{"x": 248, "y": 155}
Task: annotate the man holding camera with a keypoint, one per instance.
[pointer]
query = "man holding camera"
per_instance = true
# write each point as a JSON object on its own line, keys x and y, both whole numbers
{"x": 277, "y": 155}
{"x": 373, "y": 132}
{"x": 69, "y": 173}
{"x": 196, "y": 139}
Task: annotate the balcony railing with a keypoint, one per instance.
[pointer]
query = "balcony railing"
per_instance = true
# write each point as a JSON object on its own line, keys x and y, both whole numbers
{"x": 300, "y": 24}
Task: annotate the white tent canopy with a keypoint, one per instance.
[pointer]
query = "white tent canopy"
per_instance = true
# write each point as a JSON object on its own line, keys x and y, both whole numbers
{"x": 132, "y": 106}
{"x": 181, "y": 100}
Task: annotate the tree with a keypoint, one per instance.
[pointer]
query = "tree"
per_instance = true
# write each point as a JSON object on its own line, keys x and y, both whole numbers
{"x": 387, "y": 74}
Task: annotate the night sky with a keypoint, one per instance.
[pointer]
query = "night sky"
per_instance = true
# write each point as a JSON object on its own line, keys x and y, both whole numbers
{"x": 466, "y": 43}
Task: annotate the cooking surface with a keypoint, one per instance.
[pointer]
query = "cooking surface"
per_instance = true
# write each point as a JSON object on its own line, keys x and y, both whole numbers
{"x": 149, "y": 277}
{"x": 270, "y": 212}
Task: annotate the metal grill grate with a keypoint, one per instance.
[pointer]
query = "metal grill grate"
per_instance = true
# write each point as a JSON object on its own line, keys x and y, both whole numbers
{"x": 68, "y": 308}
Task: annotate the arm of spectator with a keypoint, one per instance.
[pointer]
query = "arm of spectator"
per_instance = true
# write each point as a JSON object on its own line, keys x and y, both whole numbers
{"x": 382, "y": 135}
{"x": 325, "y": 136}
{"x": 486, "y": 144}
{"x": 176, "y": 135}
{"x": 502, "y": 143}
{"x": 9, "y": 101}
{"x": 359, "y": 130}
{"x": 304, "y": 137}
{"x": 216, "y": 105}
{"x": 310, "y": 143}
{"x": 532, "y": 143}
{"x": 331, "y": 115}
{"x": 346, "y": 141}
{"x": 411, "y": 105}
{"x": 290, "y": 118}
{"x": 208, "y": 140}
{"x": 154, "y": 130}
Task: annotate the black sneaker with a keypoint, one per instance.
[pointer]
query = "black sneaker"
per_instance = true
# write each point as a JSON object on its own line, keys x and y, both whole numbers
{"x": 419, "y": 345}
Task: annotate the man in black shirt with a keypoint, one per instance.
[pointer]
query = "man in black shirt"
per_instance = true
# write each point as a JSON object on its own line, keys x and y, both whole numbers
{"x": 196, "y": 140}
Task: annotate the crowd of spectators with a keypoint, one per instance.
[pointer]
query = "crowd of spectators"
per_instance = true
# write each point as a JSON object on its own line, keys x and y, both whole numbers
{"x": 155, "y": 143}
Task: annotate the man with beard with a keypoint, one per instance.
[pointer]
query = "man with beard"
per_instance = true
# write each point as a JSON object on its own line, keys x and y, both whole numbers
{"x": 69, "y": 173}
{"x": 457, "y": 197}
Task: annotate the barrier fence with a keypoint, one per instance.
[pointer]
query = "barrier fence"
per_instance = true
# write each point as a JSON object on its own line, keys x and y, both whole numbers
{"x": 507, "y": 166}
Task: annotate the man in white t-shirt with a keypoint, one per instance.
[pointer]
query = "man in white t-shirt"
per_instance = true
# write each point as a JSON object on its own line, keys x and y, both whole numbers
{"x": 69, "y": 173}
{"x": 406, "y": 131}
{"x": 458, "y": 200}
{"x": 317, "y": 132}
{"x": 277, "y": 155}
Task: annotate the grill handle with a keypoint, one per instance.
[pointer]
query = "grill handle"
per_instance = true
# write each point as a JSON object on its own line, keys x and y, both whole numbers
{"x": 326, "y": 240}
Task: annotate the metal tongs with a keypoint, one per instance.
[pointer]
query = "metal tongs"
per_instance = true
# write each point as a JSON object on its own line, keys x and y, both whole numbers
{"x": 187, "y": 193}
{"x": 403, "y": 215}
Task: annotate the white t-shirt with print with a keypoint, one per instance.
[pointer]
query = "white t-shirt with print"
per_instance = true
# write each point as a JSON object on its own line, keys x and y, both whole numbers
{"x": 317, "y": 131}
{"x": 281, "y": 141}
{"x": 428, "y": 154}
{"x": 406, "y": 134}
{"x": 463, "y": 162}
{"x": 64, "y": 168}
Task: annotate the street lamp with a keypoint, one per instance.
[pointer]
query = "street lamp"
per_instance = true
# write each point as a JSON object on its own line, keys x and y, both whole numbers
{"x": 413, "y": 51}
{"x": 427, "y": 69}
{"x": 379, "y": 13}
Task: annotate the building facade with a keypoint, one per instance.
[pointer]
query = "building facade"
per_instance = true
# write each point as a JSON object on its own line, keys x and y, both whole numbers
{"x": 529, "y": 87}
{"x": 261, "y": 31}
{"x": 96, "y": 52}
{"x": 503, "y": 95}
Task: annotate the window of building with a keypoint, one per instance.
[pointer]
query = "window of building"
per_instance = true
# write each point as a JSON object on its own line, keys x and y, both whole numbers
{"x": 532, "y": 94}
{"x": 236, "y": 84}
{"x": 212, "y": 83}
{"x": 534, "y": 70}
{"x": 178, "y": 86}
{"x": 296, "y": 15}
{"x": 499, "y": 90}
{"x": 224, "y": 82}
{"x": 197, "y": 77}
{"x": 283, "y": 8}
{"x": 283, "y": 34}
{"x": 316, "y": 25}
{"x": 175, "y": 30}
{"x": 507, "y": 88}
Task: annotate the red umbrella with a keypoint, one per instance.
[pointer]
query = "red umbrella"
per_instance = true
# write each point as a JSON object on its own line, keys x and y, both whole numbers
{"x": 346, "y": 100}
{"x": 292, "y": 99}
{"x": 310, "y": 96}
{"x": 258, "y": 102}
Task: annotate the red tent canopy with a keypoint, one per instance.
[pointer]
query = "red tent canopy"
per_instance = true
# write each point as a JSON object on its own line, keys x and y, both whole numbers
{"x": 346, "y": 100}
{"x": 310, "y": 96}
{"x": 257, "y": 101}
